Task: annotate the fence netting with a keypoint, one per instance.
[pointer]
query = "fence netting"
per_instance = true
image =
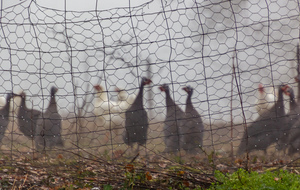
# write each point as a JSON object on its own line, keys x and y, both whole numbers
{"x": 80, "y": 74}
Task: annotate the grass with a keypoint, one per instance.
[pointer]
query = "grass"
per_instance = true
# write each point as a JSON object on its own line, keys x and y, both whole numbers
{"x": 243, "y": 180}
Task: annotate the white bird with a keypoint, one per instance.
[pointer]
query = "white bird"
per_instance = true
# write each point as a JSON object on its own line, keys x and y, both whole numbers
{"x": 125, "y": 100}
{"x": 2, "y": 101}
{"x": 108, "y": 112}
{"x": 266, "y": 100}
{"x": 14, "y": 105}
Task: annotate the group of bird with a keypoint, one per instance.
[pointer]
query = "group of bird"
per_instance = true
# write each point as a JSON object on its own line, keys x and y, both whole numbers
{"x": 42, "y": 127}
{"x": 182, "y": 130}
{"x": 274, "y": 125}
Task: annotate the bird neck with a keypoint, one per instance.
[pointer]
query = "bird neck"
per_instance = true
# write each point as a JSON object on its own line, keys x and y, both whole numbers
{"x": 122, "y": 96}
{"x": 169, "y": 100}
{"x": 52, "y": 102}
{"x": 293, "y": 103}
{"x": 6, "y": 107}
{"x": 280, "y": 95}
{"x": 279, "y": 102}
{"x": 262, "y": 95}
{"x": 23, "y": 102}
{"x": 102, "y": 96}
{"x": 189, "y": 104}
{"x": 140, "y": 95}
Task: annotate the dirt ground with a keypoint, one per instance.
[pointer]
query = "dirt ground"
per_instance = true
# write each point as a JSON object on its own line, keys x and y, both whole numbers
{"x": 96, "y": 157}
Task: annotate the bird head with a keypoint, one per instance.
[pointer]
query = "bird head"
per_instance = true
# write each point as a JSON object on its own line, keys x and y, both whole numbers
{"x": 261, "y": 88}
{"x": 146, "y": 81}
{"x": 188, "y": 89}
{"x": 53, "y": 90}
{"x": 297, "y": 78}
{"x": 287, "y": 90}
{"x": 164, "y": 87}
{"x": 98, "y": 88}
{"x": 283, "y": 87}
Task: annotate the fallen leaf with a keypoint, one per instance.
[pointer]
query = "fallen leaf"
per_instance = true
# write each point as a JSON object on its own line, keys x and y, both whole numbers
{"x": 180, "y": 173}
{"x": 186, "y": 183}
{"x": 60, "y": 156}
{"x": 162, "y": 165}
{"x": 238, "y": 161}
{"x": 148, "y": 176}
{"x": 118, "y": 153}
{"x": 130, "y": 168}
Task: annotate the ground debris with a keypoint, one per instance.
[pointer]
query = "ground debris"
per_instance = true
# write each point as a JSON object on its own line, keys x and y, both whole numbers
{"x": 60, "y": 173}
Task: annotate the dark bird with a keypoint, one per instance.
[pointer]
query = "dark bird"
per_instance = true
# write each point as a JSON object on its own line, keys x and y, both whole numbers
{"x": 4, "y": 115}
{"x": 174, "y": 121}
{"x": 291, "y": 139}
{"x": 136, "y": 120}
{"x": 27, "y": 118}
{"x": 293, "y": 144}
{"x": 194, "y": 128}
{"x": 266, "y": 129}
{"x": 297, "y": 78}
{"x": 48, "y": 132}
{"x": 292, "y": 118}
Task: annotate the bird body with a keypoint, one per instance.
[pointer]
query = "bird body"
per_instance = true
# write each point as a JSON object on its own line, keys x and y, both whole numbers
{"x": 292, "y": 133}
{"x": 2, "y": 101}
{"x": 48, "y": 132}
{"x": 173, "y": 123}
{"x": 136, "y": 119}
{"x": 124, "y": 100}
{"x": 293, "y": 143}
{"x": 193, "y": 128}
{"x": 266, "y": 129}
{"x": 292, "y": 117}
{"x": 108, "y": 112}
{"x": 27, "y": 118}
{"x": 14, "y": 105}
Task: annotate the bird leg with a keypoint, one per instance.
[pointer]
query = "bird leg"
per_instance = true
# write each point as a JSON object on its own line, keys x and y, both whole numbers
{"x": 146, "y": 154}
{"x": 138, "y": 148}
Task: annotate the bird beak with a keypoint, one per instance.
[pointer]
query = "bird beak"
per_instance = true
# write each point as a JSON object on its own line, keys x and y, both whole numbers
{"x": 161, "y": 89}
